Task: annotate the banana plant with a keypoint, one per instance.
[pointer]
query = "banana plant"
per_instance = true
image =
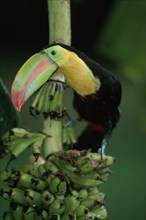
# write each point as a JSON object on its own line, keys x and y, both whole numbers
{"x": 57, "y": 181}
{"x": 62, "y": 183}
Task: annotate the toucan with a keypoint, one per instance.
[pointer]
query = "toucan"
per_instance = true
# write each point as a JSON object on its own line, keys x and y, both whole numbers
{"x": 97, "y": 92}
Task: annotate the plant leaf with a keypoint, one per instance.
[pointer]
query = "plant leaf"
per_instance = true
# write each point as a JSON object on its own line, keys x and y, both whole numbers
{"x": 8, "y": 115}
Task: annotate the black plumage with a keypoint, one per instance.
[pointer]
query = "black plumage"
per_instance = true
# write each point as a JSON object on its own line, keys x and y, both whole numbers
{"x": 101, "y": 110}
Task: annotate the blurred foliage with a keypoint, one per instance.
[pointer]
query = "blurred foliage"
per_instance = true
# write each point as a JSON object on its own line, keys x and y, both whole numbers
{"x": 123, "y": 37}
{"x": 8, "y": 115}
{"x": 122, "y": 44}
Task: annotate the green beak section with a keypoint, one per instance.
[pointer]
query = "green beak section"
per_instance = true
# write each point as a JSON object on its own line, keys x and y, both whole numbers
{"x": 32, "y": 75}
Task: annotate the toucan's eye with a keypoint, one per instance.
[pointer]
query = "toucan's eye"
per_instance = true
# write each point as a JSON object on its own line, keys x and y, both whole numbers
{"x": 53, "y": 52}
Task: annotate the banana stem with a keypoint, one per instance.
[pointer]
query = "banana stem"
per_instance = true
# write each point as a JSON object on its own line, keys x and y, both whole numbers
{"x": 54, "y": 143}
{"x": 59, "y": 32}
{"x": 59, "y": 21}
{"x": 53, "y": 125}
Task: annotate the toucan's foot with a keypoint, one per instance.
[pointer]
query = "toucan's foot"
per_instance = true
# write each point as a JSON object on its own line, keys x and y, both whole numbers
{"x": 72, "y": 122}
{"x": 101, "y": 150}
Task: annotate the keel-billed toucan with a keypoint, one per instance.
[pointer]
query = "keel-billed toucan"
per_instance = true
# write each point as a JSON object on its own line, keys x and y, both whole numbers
{"x": 97, "y": 92}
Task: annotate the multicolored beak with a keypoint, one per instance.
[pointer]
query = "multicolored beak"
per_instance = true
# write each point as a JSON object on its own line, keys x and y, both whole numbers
{"x": 32, "y": 75}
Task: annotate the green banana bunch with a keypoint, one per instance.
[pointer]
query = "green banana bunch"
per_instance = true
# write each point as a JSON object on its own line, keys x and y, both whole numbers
{"x": 64, "y": 187}
{"x": 45, "y": 101}
{"x": 17, "y": 140}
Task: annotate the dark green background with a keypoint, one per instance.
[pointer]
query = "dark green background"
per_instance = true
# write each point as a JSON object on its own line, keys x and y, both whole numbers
{"x": 113, "y": 33}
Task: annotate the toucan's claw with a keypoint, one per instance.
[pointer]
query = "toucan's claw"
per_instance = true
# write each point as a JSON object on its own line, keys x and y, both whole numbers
{"x": 72, "y": 122}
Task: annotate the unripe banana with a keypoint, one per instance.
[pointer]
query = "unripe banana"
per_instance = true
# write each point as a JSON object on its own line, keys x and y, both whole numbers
{"x": 57, "y": 206}
{"x": 5, "y": 192}
{"x": 101, "y": 212}
{"x": 20, "y": 139}
{"x": 71, "y": 203}
{"x": 66, "y": 139}
{"x": 95, "y": 156}
{"x": 27, "y": 181}
{"x": 104, "y": 170}
{"x": 4, "y": 175}
{"x": 42, "y": 171}
{"x": 46, "y": 103}
{"x": 85, "y": 217}
{"x": 36, "y": 99}
{"x": 47, "y": 198}
{"x": 30, "y": 169}
{"x": 22, "y": 146}
{"x": 96, "y": 195}
{"x": 81, "y": 210}
{"x": 12, "y": 143}
{"x": 49, "y": 178}
{"x": 32, "y": 197}
{"x": 29, "y": 213}
{"x": 55, "y": 217}
{"x": 82, "y": 181}
{"x": 94, "y": 175}
{"x": 69, "y": 216}
{"x": 41, "y": 213}
{"x": 57, "y": 186}
{"x": 67, "y": 165}
{"x": 92, "y": 201}
{"x": 74, "y": 193}
{"x": 83, "y": 193}
{"x": 60, "y": 102}
{"x": 70, "y": 135}
{"x": 36, "y": 146}
{"x": 109, "y": 161}
{"x": 13, "y": 194}
{"x": 41, "y": 101}
{"x": 17, "y": 133}
{"x": 44, "y": 215}
{"x": 16, "y": 210}
{"x": 51, "y": 167}
{"x": 52, "y": 91}
{"x": 93, "y": 191}
{"x": 89, "y": 166}
{"x": 88, "y": 216}
{"x": 81, "y": 161}
{"x": 54, "y": 104}
{"x": 24, "y": 134}
{"x": 17, "y": 196}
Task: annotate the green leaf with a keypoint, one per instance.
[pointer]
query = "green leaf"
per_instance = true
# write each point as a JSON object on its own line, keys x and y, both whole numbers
{"x": 8, "y": 115}
{"x": 122, "y": 38}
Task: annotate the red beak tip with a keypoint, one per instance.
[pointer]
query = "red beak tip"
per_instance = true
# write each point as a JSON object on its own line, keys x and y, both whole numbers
{"x": 16, "y": 102}
{"x": 18, "y": 108}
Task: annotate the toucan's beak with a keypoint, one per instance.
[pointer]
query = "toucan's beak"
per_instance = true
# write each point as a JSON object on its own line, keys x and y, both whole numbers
{"x": 32, "y": 75}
